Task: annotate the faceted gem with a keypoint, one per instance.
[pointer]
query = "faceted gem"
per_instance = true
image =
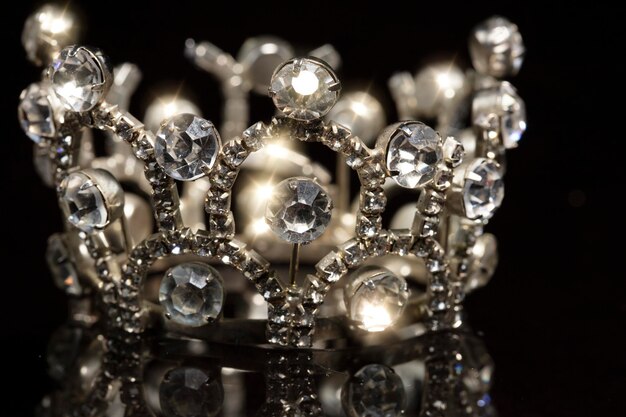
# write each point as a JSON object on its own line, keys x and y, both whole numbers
{"x": 413, "y": 153}
{"x": 36, "y": 112}
{"x": 298, "y": 210}
{"x": 504, "y": 102}
{"x": 83, "y": 203}
{"x": 304, "y": 89}
{"x": 46, "y": 31}
{"x": 186, "y": 146}
{"x": 192, "y": 293}
{"x": 190, "y": 392}
{"x": 375, "y": 390}
{"x": 497, "y": 48}
{"x": 437, "y": 86}
{"x": 79, "y": 78}
{"x": 63, "y": 270}
{"x": 484, "y": 261}
{"x": 375, "y": 298}
{"x": 483, "y": 190}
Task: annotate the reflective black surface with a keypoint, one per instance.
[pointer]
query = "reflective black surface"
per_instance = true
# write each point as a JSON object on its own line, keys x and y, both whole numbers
{"x": 553, "y": 317}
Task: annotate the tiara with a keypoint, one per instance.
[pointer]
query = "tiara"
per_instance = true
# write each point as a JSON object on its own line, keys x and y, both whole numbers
{"x": 150, "y": 242}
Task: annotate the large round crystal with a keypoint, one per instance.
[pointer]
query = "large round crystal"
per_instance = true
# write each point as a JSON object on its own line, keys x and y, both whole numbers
{"x": 79, "y": 78}
{"x": 438, "y": 86}
{"x": 298, "y": 210}
{"x": 496, "y": 47}
{"x": 190, "y": 392}
{"x": 46, "y": 31}
{"x": 36, "y": 112}
{"x": 375, "y": 298}
{"x": 413, "y": 152}
{"x": 501, "y": 101}
{"x": 83, "y": 203}
{"x": 304, "y": 89}
{"x": 483, "y": 190}
{"x": 192, "y": 293}
{"x": 186, "y": 145}
{"x": 375, "y": 390}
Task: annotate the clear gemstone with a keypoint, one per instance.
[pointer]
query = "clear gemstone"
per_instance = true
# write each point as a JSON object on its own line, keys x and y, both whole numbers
{"x": 483, "y": 190}
{"x": 485, "y": 261}
{"x": 186, "y": 146}
{"x": 190, "y": 392}
{"x": 36, "y": 112}
{"x": 192, "y": 293}
{"x": 83, "y": 203}
{"x": 298, "y": 210}
{"x": 304, "y": 89}
{"x": 375, "y": 298}
{"x": 63, "y": 270}
{"x": 46, "y": 31}
{"x": 437, "y": 86}
{"x": 374, "y": 391}
{"x": 497, "y": 48}
{"x": 413, "y": 154}
{"x": 503, "y": 102}
{"x": 79, "y": 78}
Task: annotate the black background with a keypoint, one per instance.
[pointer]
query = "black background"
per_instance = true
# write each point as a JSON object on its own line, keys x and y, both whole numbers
{"x": 553, "y": 317}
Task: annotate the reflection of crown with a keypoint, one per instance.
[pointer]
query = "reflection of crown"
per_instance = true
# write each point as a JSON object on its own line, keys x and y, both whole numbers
{"x": 344, "y": 263}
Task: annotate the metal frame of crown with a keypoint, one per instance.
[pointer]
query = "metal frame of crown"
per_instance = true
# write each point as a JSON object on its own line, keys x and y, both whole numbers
{"x": 107, "y": 249}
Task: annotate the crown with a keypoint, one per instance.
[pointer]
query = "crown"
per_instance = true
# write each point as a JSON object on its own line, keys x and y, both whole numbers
{"x": 151, "y": 237}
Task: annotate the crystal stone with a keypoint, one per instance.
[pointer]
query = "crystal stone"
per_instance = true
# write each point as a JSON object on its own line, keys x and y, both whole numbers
{"x": 304, "y": 89}
{"x": 79, "y": 78}
{"x": 83, "y": 203}
{"x": 413, "y": 153}
{"x": 502, "y": 101}
{"x": 375, "y": 298}
{"x": 186, "y": 146}
{"x": 497, "y": 48}
{"x": 374, "y": 391}
{"x": 483, "y": 190}
{"x": 192, "y": 293}
{"x": 298, "y": 210}
{"x": 63, "y": 270}
{"x": 36, "y": 112}
{"x": 46, "y": 31}
{"x": 190, "y": 392}
{"x": 437, "y": 86}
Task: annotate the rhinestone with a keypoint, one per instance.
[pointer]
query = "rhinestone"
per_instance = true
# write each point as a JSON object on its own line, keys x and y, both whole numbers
{"x": 437, "y": 86}
{"x": 497, "y": 48}
{"x": 504, "y": 102}
{"x": 374, "y": 391}
{"x": 192, "y": 293}
{"x": 331, "y": 267}
{"x": 83, "y": 203}
{"x": 298, "y": 210}
{"x": 186, "y": 146}
{"x": 190, "y": 392}
{"x": 36, "y": 112}
{"x": 80, "y": 78}
{"x": 63, "y": 270}
{"x": 46, "y": 31}
{"x": 375, "y": 298}
{"x": 304, "y": 89}
{"x": 485, "y": 261}
{"x": 483, "y": 190}
{"x": 413, "y": 153}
